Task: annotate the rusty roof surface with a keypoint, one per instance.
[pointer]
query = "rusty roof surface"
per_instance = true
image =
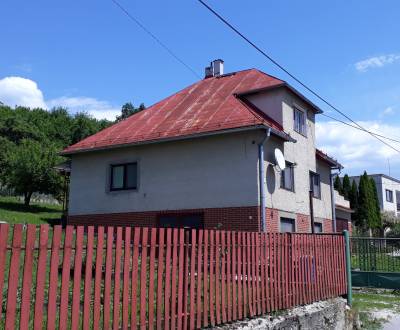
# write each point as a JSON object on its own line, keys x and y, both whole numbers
{"x": 209, "y": 105}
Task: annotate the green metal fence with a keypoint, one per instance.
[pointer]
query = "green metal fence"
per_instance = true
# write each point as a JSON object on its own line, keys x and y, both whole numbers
{"x": 375, "y": 262}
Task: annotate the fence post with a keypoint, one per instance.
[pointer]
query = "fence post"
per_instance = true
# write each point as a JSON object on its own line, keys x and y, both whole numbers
{"x": 348, "y": 267}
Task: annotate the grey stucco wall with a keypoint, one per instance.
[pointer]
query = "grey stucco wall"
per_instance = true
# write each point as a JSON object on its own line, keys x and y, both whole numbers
{"x": 208, "y": 172}
{"x": 218, "y": 171}
{"x": 279, "y": 104}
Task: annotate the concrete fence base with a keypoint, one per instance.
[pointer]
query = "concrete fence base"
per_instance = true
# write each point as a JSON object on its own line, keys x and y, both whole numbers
{"x": 328, "y": 314}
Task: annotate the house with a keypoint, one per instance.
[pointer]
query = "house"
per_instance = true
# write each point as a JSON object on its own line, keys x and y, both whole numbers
{"x": 388, "y": 192}
{"x": 193, "y": 160}
{"x": 343, "y": 213}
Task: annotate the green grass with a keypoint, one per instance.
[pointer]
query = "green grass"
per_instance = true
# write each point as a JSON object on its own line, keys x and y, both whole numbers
{"x": 379, "y": 261}
{"x": 368, "y": 302}
{"x": 12, "y": 210}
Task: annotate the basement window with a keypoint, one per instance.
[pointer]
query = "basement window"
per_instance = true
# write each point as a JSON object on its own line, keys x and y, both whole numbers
{"x": 317, "y": 227}
{"x": 287, "y": 225}
{"x": 123, "y": 177}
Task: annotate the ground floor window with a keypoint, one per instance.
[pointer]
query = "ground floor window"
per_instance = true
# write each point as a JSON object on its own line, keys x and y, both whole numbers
{"x": 123, "y": 176}
{"x": 189, "y": 220}
{"x": 287, "y": 225}
{"x": 317, "y": 227}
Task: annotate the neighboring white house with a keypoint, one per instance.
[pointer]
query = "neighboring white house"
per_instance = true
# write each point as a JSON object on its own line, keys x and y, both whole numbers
{"x": 388, "y": 192}
{"x": 343, "y": 213}
{"x": 193, "y": 160}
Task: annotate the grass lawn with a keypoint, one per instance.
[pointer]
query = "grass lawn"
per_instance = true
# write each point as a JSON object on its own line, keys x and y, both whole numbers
{"x": 12, "y": 210}
{"x": 376, "y": 307}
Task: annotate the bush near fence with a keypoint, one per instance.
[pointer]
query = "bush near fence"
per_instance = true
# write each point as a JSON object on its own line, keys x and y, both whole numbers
{"x": 86, "y": 277}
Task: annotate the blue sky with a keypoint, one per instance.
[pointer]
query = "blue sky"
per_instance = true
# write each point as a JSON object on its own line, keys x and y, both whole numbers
{"x": 89, "y": 56}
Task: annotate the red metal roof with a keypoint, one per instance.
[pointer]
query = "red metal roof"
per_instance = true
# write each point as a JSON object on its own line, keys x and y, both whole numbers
{"x": 206, "y": 106}
{"x": 327, "y": 159}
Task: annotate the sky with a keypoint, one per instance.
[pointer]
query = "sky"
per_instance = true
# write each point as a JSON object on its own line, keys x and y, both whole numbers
{"x": 89, "y": 56}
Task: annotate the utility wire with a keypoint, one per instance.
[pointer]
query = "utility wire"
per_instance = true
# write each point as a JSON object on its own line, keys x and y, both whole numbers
{"x": 138, "y": 23}
{"x": 176, "y": 57}
{"x": 222, "y": 19}
{"x": 350, "y": 125}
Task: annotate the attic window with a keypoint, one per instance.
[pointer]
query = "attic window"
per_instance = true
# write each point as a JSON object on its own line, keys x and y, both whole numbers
{"x": 123, "y": 176}
{"x": 299, "y": 117}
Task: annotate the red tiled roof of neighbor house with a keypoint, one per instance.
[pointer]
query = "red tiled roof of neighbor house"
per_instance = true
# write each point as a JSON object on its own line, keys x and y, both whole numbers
{"x": 209, "y": 105}
{"x": 327, "y": 159}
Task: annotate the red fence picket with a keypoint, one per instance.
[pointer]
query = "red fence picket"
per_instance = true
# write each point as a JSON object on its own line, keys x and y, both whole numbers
{"x": 159, "y": 278}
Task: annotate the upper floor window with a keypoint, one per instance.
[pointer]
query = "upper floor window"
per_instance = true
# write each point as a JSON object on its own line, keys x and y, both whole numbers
{"x": 300, "y": 121}
{"x": 389, "y": 196}
{"x": 287, "y": 177}
{"x": 315, "y": 185}
{"x": 123, "y": 176}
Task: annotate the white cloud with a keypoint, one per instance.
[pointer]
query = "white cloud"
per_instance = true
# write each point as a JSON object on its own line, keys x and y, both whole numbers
{"x": 387, "y": 111}
{"x": 21, "y": 91}
{"x": 359, "y": 151}
{"x": 18, "y": 91}
{"x": 97, "y": 108}
{"x": 376, "y": 62}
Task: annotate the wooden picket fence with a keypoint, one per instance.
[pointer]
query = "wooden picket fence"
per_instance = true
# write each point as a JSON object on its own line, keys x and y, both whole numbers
{"x": 115, "y": 277}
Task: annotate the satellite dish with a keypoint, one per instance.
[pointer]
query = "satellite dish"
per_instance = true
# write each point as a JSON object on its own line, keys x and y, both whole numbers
{"x": 279, "y": 159}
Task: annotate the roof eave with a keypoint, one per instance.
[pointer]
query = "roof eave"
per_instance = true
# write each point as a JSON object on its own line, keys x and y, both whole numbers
{"x": 277, "y": 133}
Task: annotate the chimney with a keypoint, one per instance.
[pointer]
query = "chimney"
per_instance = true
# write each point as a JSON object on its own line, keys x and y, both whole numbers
{"x": 215, "y": 69}
{"x": 209, "y": 71}
{"x": 218, "y": 67}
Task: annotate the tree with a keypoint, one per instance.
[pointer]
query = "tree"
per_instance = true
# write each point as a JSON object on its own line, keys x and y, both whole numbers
{"x": 368, "y": 214}
{"x": 364, "y": 201}
{"x": 338, "y": 184}
{"x": 353, "y": 199}
{"x": 30, "y": 168}
{"x": 376, "y": 207}
{"x": 128, "y": 109}
{"x": 346, "y": 186}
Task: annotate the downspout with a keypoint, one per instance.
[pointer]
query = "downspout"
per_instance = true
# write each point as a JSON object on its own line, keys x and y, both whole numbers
{"x": 333, "y": 176}
{"x": 261, "y": 172}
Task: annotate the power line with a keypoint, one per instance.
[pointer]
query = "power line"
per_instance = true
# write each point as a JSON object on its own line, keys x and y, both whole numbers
{"x": 176, "y": 57}
{"x": 222, "y": 19}
{"x": 152, "y": 35}
{"x": 350, "y": 125}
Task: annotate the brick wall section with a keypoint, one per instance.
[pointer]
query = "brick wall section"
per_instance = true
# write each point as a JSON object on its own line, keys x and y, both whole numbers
{"x": 230, "y": 218}
{"x": 327, "y": 226}
{"x": 303, "y": 223}
{"x": 272, "y": 220}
